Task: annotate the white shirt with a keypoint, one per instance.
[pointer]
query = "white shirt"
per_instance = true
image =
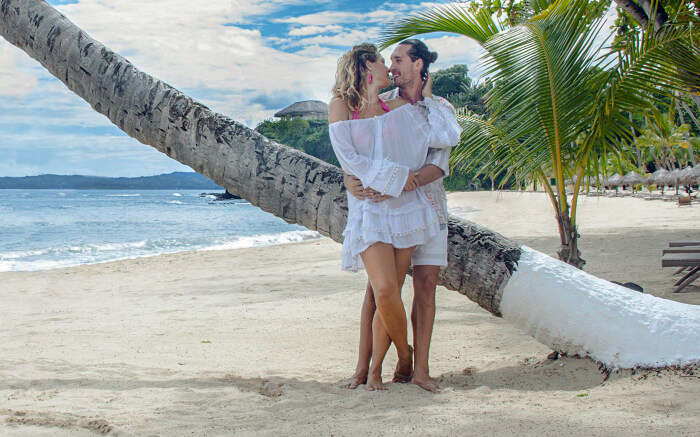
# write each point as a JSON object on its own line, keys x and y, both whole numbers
{"x": 439, "y": 157}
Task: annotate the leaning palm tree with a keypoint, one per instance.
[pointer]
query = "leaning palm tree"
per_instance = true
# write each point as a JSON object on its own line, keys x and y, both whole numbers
{"x": 534, "y": 291}
{"x": 559, "y": 108}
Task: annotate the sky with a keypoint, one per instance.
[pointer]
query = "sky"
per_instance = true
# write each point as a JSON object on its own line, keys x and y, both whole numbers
{"x": 243, "y": 58}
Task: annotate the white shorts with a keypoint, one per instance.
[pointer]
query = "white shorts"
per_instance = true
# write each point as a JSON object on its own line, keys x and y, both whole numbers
{"x": 432, "y": 253}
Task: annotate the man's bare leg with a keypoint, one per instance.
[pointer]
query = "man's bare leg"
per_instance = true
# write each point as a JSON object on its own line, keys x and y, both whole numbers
{"x": 365, "y": 349}
{"x": 381, "y": 264}
{"x": 422, "y": 320}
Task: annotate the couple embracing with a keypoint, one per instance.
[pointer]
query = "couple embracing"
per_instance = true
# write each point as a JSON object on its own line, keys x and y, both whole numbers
{"x": 394, "y": 150}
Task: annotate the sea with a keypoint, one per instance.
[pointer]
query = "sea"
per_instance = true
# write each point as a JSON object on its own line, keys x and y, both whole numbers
{"x": 45, "y": 229}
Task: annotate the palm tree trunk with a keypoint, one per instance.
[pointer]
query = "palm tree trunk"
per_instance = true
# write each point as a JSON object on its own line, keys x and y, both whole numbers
{"x": 691, "y": 153}
{"x": 634, "y": 10}
{"x": 568, "y": 251}
{"x": 502, "y": 277}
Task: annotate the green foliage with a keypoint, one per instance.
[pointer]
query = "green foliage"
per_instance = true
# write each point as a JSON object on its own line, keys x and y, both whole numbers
{"x": 309, "y": 136}
{"x": 454, "y": 84}
{"x": 451, "y": 80}
{"x": 663, "y": 142}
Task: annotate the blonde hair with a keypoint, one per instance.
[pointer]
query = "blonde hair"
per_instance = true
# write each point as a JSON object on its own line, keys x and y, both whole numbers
{"x": 349, "y": 84}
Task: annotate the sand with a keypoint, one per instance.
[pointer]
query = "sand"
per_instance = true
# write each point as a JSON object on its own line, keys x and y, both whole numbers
{"x": 254, "y": 342}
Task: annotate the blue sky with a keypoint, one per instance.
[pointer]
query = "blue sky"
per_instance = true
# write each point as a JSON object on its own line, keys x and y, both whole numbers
{"x": 244, "y": 58}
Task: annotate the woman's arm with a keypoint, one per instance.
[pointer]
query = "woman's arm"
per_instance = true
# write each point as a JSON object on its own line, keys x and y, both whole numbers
{"x": 337, "y": 111}
{"x": 444, "y": 129}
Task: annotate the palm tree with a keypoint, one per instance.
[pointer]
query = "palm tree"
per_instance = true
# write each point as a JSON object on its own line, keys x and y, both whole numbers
{"x": 525, "y": 286}
{"x": 664, "y": 142}
{"x": 558, "y": 107}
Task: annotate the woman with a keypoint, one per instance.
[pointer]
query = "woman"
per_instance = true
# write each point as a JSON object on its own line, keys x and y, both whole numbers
{"x": 382, "y": 143}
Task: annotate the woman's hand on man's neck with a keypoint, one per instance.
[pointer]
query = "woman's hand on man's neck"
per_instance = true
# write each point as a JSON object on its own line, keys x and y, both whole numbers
{"x": 413, "y": 92}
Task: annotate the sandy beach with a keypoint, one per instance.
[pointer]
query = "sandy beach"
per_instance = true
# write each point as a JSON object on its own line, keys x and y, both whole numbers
{"x": 255, "y": 341}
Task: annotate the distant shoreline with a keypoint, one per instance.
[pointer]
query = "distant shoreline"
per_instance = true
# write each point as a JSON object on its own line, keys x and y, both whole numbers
{"x": 169, "y": 181}
{"x": 115, "y": 189}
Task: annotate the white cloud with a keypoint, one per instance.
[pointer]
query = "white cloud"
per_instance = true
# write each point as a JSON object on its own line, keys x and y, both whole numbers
{"x": 14, "y": 81}
{"x": 342, "y": 39}
{"x": 456, "y": 49}
{"x": 315, "y": 30}
{"x": 324, "y": 18}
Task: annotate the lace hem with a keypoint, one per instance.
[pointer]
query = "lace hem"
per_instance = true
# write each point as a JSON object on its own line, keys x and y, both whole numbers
{"x": 400, "y": 230}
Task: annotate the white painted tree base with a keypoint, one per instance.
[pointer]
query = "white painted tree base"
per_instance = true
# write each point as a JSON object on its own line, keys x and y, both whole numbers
{"x": 577, "y": 313}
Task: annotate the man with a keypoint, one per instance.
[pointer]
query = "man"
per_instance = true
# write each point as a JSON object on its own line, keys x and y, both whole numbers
{"x": 409, "y": 66}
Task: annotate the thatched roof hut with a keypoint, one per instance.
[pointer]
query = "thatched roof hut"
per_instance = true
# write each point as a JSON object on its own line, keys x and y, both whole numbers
{"x": 308, "y": 109}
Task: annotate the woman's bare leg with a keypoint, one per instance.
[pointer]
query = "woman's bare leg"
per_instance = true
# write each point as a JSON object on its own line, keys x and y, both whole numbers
{"x": 366, "y": 331}
{"x": 365, "y": 350}
{"x": 381, "y": 264}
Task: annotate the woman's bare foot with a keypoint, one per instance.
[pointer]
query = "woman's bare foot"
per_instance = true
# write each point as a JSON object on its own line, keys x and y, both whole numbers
{"x": 399, "y": 375}
{"x": 426, "y": 383}
{"x": 355, "y": 381}
{"x": 374, "y": 381}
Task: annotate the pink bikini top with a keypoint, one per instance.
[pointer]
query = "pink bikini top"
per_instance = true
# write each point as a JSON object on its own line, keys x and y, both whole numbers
{"x": 385, "y": 107}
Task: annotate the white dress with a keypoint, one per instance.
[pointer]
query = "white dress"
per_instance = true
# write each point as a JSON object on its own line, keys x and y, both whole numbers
{"x": 381, "y": 151}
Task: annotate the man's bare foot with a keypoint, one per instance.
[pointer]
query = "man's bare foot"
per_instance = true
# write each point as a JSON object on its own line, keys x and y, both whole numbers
{"x": 374, "y": 381}
{"x": 399, "y": 375}
{"x": 426, "y": 383}
{"x": 355, "y": 381}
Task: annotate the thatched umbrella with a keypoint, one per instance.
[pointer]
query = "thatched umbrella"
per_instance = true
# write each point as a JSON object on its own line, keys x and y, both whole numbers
{"x": 690, "y": 175}
{"x": 614, "y": 180}
{"x": 696, "y": 173}
{"x": 673, "y": 178}
{"x": 659, "y": 178}
{"x": 632, "y": 178}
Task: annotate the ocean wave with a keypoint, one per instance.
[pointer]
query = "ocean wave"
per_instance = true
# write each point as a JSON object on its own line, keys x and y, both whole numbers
{"x": 122, "y": 195}
{"x": 265, "y": 240}
{"x": 27, "y": 266}
{"x": 175, "y": 202}
{"x": 58, "y": 251}
{"x": 177, "y": 194}
{"x": 74, "y": 255}
{"x": 22, "y": 254}
{"x": 118, "y": 246}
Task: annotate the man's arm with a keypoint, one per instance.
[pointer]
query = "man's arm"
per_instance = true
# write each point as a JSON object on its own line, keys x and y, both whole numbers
{"x": 354, "y": 186}
{"x": 429, "y": 173}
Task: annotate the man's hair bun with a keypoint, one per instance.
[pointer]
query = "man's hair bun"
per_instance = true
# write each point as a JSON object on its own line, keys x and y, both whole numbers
{"x": 433, "y": 57}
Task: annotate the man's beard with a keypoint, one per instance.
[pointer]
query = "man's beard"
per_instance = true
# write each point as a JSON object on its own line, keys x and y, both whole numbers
{"x": 400, "y": 83}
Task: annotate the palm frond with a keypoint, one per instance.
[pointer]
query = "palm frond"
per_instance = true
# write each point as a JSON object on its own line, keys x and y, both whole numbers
{"x": 452, "y": 18}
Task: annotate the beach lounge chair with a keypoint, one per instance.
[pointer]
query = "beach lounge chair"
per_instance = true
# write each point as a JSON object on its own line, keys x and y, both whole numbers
{"x": 684, "y": 257}
{"x": 683, "y": 243}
